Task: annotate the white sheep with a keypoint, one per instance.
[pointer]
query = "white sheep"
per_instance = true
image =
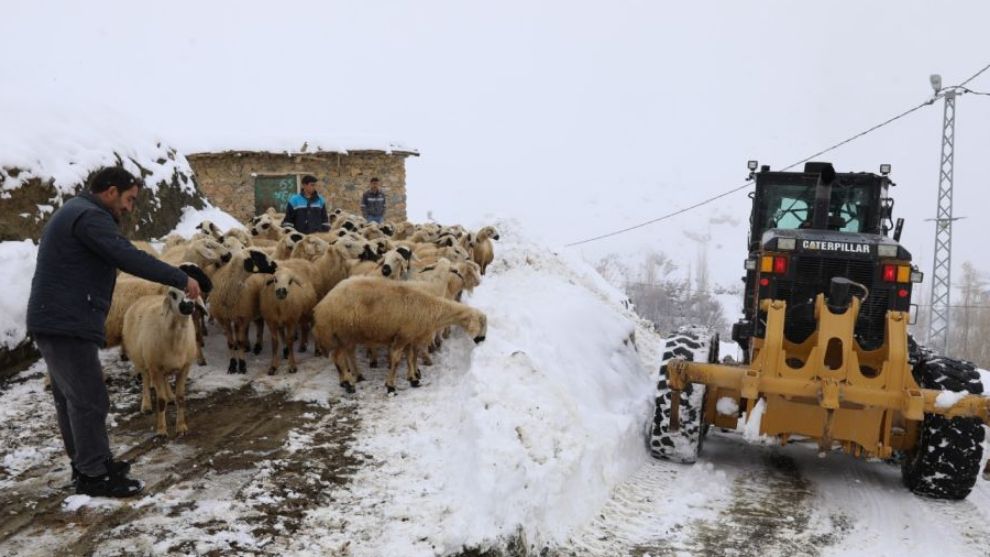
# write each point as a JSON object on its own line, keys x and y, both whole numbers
{"x": 484, "y": 252}
{"x": 240, "y": 234}
{"x": 378, "y": 312}
{"x": 207, "y": 229}
{"x": 266, "y": 228}
{"x": 285, "y": 246}
{"x": 287, "y": 301}
{"x": 160, "y": 338}
{"x": 234, "y": 301}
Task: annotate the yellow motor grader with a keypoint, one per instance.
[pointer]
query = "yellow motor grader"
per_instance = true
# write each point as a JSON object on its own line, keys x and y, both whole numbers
{"x": 826, "y": 350}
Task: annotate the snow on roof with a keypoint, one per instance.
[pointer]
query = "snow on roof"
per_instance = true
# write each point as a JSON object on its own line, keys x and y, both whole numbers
{"x": 303, "y": 143}
{"x": 64, "y": 140}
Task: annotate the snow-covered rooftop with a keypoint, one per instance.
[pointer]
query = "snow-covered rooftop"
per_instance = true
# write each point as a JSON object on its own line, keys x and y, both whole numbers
{"x": 64, "y": 139}
{"x": 302, "y": 144}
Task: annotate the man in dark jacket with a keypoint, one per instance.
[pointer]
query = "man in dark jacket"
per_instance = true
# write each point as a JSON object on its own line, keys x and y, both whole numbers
{"x": 306, "y": 212}
{"x": 373, "y": 202}
{"x": 81, "y": 249}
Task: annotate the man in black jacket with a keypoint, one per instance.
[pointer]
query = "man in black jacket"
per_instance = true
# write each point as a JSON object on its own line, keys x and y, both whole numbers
{"x": 81, "y": 249}
{"x": 373, "y": 202}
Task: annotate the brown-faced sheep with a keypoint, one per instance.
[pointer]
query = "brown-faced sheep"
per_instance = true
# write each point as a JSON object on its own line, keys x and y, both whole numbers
{"x": 287, "y": 301}
{"x": 380, "y": 312}
{"x": 161, "y": 341}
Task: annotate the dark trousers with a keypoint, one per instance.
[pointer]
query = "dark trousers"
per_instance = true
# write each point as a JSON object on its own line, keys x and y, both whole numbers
{"x": 81, "y": 399}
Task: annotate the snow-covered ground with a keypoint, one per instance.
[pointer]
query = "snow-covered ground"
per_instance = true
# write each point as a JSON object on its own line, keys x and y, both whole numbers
{"x": 520, "y": 437}
{"x": 530, "y": 442}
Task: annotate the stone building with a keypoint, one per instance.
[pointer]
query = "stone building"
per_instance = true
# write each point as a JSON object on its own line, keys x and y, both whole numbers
{"x": 246, "y": 183}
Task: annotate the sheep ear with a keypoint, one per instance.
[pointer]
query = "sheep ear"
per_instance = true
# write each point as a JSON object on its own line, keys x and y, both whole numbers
{"x": 202, "y": 306}
{"x": 294, "y": 281}
{"x": 269, "y": 282}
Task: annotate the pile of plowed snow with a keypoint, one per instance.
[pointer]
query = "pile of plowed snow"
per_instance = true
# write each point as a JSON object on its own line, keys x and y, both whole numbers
{"x": 525, "y": 433}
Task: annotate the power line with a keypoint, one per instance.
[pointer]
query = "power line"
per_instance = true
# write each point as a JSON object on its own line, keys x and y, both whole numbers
{"x": 974, "y": 76}
{"x": 788, "y": 167}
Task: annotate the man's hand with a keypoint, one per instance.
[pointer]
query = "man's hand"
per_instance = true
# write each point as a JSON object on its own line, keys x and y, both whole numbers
{"x": 192, "y": 289}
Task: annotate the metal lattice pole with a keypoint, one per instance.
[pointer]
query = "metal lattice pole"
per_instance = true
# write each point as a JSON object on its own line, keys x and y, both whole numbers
{"x": 938, "y": 326}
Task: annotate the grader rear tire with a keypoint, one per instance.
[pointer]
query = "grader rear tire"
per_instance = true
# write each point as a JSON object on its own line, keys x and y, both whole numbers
{"x": 946, "y": 462}
{"x": 683, "y": 445}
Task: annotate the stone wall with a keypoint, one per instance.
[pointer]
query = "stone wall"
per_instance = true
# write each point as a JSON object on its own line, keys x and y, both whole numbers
{"x": 227, "y": 178}
{"x": 24, "y": 211}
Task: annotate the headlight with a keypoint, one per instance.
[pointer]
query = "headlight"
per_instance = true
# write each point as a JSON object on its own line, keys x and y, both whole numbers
{"x": 886, "y": 250}
{"x": 917, "y": 276}
{"x": 750, "y": 264}
{"x": 785, "y": 244}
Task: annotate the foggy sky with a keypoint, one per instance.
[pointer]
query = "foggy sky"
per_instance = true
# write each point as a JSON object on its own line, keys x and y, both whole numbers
{"x": 576, "y": 118}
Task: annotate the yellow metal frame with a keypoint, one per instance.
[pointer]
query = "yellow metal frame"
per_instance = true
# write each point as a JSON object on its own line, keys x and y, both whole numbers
{"x": 828, "y": 387}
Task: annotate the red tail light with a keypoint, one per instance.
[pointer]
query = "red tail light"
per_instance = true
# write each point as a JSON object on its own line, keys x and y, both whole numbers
{"x": 779, "y": 265}
{"x": 890, "y": 273}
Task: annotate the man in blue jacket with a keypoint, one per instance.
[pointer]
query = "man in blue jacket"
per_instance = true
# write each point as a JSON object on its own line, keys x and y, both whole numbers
{"x": 81, "y": 249}
{"x": 373, "y": 202}
{"x": 306, "y": 212}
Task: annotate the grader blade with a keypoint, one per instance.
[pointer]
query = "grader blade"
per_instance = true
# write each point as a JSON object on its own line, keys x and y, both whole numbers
{"x": 828, "y": 388}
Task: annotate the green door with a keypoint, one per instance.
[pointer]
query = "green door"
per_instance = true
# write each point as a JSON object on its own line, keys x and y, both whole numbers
{"x": 273, "y": 191}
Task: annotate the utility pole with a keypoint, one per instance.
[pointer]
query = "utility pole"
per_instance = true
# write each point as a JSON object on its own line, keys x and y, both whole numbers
{"x": 938, "y": 324}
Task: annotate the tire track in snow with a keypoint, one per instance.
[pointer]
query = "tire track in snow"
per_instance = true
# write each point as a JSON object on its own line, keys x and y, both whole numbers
{"x": 766, "y": 507}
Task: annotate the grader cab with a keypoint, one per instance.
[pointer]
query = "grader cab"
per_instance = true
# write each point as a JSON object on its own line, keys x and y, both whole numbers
{"x": 826, "y": 352}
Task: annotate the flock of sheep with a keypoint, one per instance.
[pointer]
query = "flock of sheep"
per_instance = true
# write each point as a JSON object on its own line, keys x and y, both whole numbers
{"x": 394, "y": 287}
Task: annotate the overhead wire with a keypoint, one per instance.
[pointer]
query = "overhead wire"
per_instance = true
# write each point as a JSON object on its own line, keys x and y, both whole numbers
{"x": 748, "y": 183}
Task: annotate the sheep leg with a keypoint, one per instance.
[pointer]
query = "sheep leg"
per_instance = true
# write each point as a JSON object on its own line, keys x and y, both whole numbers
{"x": 229, "y": 333}
{"x": 301, "y": 331}
{"x": 372, "y": 357}
{"x": 123, "y": 354}
{"x": 288, "y": 338}
{"x": 145, "y": 392}
{"x": 352, "y": 362}
{"x": 305, "y": 326}
{"x": 257, "y": 339}
{"x": 159, "y": 378}
{"x": 169, "y": 395}
{"x": 395, "y": 353}
{"x": 275, "y": 360}
{"x": 424, "y": 356}
{"x": 343, "y": 369}
{"x": 200, "y": 327}
{"x": 180, "y": 402}
{"x": 412, "y": 367}
{"x": 241, "y": 330}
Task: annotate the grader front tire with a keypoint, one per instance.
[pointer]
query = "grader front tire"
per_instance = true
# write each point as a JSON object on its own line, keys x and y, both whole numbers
{"x": 946, "y": 462}
{"x": 682, "y": 445}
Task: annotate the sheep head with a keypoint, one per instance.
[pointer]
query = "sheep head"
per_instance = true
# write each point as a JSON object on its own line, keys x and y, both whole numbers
{"x": 281, "y": 282}
{"x": 177, "y": 302}
{"x": 488, "y": 232}
{"x": 209, "y": 229}
{"x": 263, "y": 225}
{"x": 256, "y": 261}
